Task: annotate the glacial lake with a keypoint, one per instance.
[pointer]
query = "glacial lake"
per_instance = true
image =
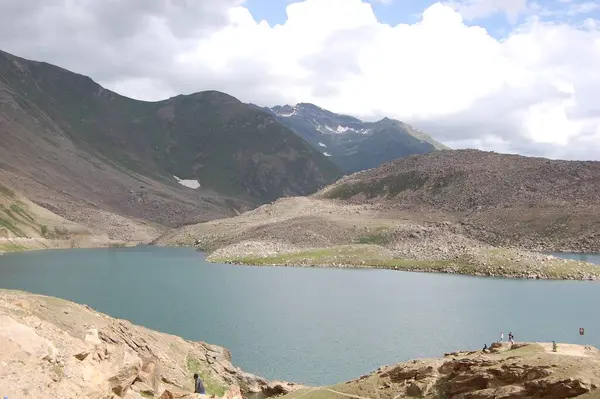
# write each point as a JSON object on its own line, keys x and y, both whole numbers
{"x": 310, "y": 325}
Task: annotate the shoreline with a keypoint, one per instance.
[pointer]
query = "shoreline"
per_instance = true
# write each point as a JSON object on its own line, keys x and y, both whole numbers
{"x": 22, "y": 244}
{"x": 362, "y": 256}
{"x": 406, "y": 270}
{"x": 66, "y": 342}
{"x": 497, "y": 262}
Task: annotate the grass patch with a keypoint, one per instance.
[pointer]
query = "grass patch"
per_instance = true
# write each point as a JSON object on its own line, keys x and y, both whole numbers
{"x": 212, "y": 385}
{"x": 18, "y": 209}
{"x": 388, "y": 186}
{"x": 376, "y": 239}
{"x": 7, "y": 224}
{"x": 146, "y": 395}
{"x": 10, "y": 247}
{"x": 59, "y": 232}
{"x": 362, "y": 255}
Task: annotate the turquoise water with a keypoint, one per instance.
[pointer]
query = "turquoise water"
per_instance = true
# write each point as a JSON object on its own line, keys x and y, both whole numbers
{"x": 593, "y": 258}
{"x": 311, "y": 325}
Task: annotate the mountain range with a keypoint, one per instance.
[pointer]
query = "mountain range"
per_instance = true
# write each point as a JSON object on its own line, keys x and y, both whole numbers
{"x": 127, "y": 168}
{"x": 352, "y": 144}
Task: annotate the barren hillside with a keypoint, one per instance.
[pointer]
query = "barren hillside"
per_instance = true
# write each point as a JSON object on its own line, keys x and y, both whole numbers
{"x": 106, "y": 161}
{"x": 466, "y": 211}
{"x": 500, "y": 198}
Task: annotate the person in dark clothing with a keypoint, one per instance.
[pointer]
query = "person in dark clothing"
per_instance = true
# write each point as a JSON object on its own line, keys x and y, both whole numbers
{"x": 198, "y": 386}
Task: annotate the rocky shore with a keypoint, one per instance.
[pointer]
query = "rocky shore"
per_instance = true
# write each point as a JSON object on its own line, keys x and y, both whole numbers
{"x": 315, "y": 232}
{"x": 500, "y": 263}
{"x": 52, "y": 348}
{"x": 521, "y": 370}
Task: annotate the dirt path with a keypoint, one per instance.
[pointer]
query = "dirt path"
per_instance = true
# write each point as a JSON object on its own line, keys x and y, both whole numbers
{"x": 566, "y": 349}
{"x": 346, "y": 394}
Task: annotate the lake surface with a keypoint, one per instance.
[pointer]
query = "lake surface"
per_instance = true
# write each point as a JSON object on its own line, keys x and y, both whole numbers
{"x": 310, "y": 325}
{"x": 592, "y": 258}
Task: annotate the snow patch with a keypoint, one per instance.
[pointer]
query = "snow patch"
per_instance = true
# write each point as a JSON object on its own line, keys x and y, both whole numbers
{"x": 193, "y": 184}
{"x": 284, "y": 115}
{"x": 342, "y": 129}
{"x": 322, "y": 145}
{"x": 327, "y": 154}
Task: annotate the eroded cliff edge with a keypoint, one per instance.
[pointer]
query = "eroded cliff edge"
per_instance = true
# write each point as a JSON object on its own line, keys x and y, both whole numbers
{"x": 53, "y": 348}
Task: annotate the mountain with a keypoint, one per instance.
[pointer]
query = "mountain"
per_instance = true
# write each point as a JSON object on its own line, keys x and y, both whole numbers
{"x": 95, "y": 157}
{"x": 352, "y": 144}
{"x": 503, "y": 199}
{"x": 460, "y": 211}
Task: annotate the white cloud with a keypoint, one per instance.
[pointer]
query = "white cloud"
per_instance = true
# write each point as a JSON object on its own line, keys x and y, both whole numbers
{"x": 475, "y": 9}
{"x": 534, "y": 92}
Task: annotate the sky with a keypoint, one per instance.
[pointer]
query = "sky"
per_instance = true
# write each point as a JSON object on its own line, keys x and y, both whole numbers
{"x": 517, "y": 76}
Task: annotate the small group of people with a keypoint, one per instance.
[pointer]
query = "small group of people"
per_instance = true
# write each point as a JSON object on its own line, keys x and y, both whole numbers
{"x": 511, "y": 337}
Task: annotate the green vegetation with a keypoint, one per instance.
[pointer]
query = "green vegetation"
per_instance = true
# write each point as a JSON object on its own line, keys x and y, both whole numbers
{"x": 388, "y": 186}
{"x": 10, "y": 247}
{"x": 7, "y": 224}
{"x": 377, "y": 239}
{"x": 146, "y": 395}
{"x": 59, "y": 232}
{"x": 211, "y": 384}
{"x": 18, "y": 209}
{"x": 483, "y": 263}
{"x": 363, "y": 255}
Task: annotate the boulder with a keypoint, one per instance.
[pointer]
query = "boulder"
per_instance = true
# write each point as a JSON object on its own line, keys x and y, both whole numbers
{"x": 467, "y": 383}
{"x": 233, "y": 392}
{"x": 142, "y": 387}
{"x": 498, "y": 347}
{"x": 127, "y": 365}
{"x": 567, "y": 388}
{"x": 276, "y": 388}
{"x": 173, "y": 394}
{"x": 506, "y": 392}
{"x": 419, "y": 389}
{"x": 402, "y": 373}
{"x": 27, "y": 339}
{"x": 150, "y": 375}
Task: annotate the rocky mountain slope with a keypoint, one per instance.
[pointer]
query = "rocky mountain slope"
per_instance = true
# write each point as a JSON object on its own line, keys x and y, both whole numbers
{"x": 316, "y": 232}
{"x": 25, "y": 225}
{"x": 504, "y": 200}
{"x": 463, "y": 211}
{"x": 52, "y": 348}
{"x": 522, "y": 370}
{"x": 351, "y": 143}
{"x": 116, "y": 165}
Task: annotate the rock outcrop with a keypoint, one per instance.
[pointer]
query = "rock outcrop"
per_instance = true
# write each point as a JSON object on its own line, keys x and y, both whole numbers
{"x": 51, "y": 348}
{"x": 521, "y": 370}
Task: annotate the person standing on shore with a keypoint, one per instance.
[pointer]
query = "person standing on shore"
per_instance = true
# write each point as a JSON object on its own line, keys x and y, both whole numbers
{"x": 502, "y": 337}
{"x": 198, "y": 385}
{"x": 511, "y": 338}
